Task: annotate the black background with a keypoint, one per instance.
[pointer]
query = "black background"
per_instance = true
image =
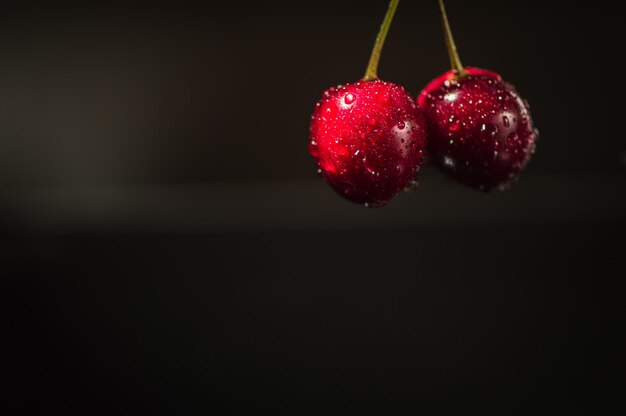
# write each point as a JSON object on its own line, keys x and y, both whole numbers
{"x": 165, "y": 244}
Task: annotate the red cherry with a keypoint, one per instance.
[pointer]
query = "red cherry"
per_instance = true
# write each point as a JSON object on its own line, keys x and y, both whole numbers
{"x": 368, "y": 139}
{"x": 480, "y": 130}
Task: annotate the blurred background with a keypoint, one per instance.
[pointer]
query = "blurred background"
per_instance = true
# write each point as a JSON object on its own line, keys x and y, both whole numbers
{"x": 165, "y": 242}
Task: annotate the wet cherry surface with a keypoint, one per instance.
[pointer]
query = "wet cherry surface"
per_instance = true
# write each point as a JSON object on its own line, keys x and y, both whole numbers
{"x": 368, "y": 139}
{"x": 480, "y": 130}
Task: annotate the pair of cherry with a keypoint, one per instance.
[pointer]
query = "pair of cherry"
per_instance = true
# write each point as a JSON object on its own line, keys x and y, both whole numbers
{"x": 369, "y": 138}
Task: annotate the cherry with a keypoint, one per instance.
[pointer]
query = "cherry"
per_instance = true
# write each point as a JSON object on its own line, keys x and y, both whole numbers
{"x": 368, "y": 138}
{"x": 481, "y": 132}
{"x": 480, "y": 129}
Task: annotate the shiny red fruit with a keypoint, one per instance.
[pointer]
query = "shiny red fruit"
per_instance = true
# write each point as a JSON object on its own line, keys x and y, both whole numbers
{"x": 480, "y": 129}
{"x": 368, "y": 139}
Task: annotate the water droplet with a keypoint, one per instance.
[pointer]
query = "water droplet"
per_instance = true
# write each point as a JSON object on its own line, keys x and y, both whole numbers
{"x": 454, "y": 124}
{"x": 401, "y": 126}
{"x": 313, "y": 149}
{"x": 451, "y": 96}
{"x": 349, "y": 98}
{"x": 412, "y": 186}
{"x": 449, "y": 162}
{"x": 505, "y": 186}
{"x": 505, "y": 121}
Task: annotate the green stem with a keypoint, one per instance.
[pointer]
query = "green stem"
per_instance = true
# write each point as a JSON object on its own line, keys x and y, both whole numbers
{"x": 372, "y": 66}
{"x": 455, "y": 61}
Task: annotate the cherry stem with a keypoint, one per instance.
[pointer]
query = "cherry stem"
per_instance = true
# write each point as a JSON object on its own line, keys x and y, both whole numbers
{"x": 455, "y": 61}
{"x": 372, "y": 66}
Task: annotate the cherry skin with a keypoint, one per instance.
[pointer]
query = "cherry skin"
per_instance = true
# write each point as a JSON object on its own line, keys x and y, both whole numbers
{"x": 480, "y": 130}
{"x": 368, "y": 140}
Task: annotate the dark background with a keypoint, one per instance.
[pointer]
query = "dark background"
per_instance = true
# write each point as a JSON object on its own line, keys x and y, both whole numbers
{"x": 166, "y": 245}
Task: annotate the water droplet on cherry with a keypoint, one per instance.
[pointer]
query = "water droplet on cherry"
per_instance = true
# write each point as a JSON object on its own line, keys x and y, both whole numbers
{"x": 412, "y": 186}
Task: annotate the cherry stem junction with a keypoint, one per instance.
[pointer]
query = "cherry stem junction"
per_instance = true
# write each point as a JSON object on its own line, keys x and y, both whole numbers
{"x": 455, "y": 61}
{"x": 372, "y": 66}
